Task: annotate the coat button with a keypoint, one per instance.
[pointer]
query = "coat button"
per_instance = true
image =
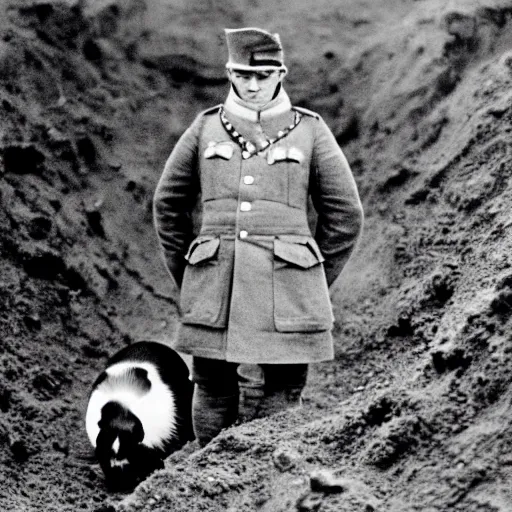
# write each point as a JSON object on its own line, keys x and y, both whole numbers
{"x": 245, "y": 206}
{"x": 243, "y": 233}
{"x": 248, "y": 180}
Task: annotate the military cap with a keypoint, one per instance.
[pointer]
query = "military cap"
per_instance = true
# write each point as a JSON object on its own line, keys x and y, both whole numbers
{"x": 254, "y": 49}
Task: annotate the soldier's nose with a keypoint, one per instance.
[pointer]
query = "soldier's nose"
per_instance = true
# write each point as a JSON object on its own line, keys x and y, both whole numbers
{"x": 253, "y": 84}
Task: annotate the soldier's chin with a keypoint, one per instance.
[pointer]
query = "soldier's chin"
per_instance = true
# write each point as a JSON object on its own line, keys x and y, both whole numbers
{"x": 255, "y": 101}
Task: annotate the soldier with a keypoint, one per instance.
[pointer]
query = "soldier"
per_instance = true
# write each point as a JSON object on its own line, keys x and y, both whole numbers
{"x": 254, "y": 284}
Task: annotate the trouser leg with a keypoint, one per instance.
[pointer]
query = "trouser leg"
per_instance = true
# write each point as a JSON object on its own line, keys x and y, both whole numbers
{"x": 215, "y": 400}
{"x": 212, "y": 413}
{"x": 251, "y": 381}
{"x": 284, "y": 384}
{"x": 270, "y": 388}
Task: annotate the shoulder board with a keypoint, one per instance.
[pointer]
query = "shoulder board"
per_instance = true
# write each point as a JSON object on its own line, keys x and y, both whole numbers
{"x": 212, "y": 110}
{"x": 306, "y": 112}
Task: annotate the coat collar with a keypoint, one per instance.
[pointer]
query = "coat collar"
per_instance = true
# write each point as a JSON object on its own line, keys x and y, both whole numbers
{"x": 276, "y": 107}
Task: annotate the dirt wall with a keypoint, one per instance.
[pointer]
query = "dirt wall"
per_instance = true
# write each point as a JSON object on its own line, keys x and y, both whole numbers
{"x": 414, "y": 413}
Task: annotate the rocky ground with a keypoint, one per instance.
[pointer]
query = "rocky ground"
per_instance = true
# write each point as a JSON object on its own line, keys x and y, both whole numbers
{"x": 415, "y": 413}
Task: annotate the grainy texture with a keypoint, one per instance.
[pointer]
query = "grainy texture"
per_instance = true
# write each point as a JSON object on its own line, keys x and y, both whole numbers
{"x": 415, "y": 412}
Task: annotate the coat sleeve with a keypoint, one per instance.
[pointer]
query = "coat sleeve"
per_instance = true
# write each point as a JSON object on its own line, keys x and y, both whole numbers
{"x": 174, "y": 201}
{"x": 336, "y": 201}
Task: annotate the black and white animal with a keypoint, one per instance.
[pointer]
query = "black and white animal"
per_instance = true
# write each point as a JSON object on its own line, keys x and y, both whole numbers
{"x": 139, "y": 412}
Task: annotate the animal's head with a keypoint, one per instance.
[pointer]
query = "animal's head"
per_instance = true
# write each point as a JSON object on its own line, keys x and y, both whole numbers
{"x": 119, "y": 449}
{"x": 131, "y": 421}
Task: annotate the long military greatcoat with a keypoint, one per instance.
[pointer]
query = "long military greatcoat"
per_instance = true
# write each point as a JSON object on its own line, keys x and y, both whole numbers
{"x": 254, "y": 282}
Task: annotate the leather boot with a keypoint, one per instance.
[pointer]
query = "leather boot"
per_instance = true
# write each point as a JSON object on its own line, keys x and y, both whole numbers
{"x": 279, "y": 400}
{"x": 212, "y": 413}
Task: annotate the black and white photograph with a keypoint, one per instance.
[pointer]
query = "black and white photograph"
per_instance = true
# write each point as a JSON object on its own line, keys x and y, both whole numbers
{"x": 255, "y": 256}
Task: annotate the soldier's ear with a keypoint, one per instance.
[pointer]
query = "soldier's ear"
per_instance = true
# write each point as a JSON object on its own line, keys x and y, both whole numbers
{"x": 282, "y": 74}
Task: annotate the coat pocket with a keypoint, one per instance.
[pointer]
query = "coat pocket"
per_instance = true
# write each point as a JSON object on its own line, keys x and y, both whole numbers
{"x": 206, "y": 283}
{"x": 301, "y": 295}
{"x": 219, "y": 170}
{"x": 293, "y": 166}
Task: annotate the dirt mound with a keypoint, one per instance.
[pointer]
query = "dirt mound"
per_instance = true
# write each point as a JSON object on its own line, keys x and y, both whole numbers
{"x": 415, "y": 412}
{"x": 76, "y": 275}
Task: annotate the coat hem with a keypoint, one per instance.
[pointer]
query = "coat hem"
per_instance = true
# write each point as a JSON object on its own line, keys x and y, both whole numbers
{"x": 265, "y": 347}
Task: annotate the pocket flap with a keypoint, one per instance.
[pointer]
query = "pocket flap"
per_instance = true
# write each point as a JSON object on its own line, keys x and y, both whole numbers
{"x": 202, "y": 249}
{"x": 276, "y": 154}
{"x": 299, "y": 253}
{"x": 281, "y": 154}
{"x": 219, "y": 149}
{"x": 295, "y": 155}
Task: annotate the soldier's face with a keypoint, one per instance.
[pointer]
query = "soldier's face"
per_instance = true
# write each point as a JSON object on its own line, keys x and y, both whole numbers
{"x": 256, "y": 88}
